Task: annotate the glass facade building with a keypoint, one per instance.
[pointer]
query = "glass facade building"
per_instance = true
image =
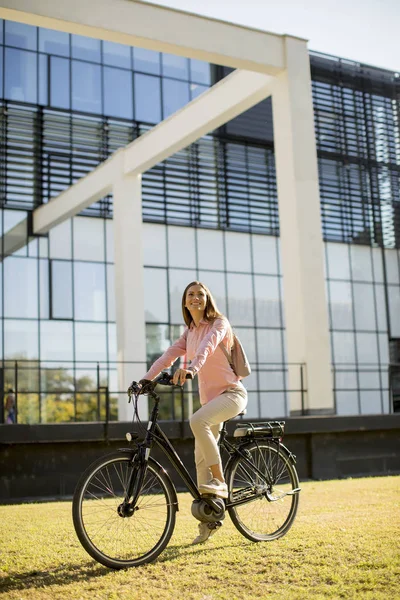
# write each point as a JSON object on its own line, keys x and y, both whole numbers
{"x": 210, "y": 212}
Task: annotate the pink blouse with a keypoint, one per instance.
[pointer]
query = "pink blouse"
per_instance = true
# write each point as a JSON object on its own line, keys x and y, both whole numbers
{"x": 200, "y": 344}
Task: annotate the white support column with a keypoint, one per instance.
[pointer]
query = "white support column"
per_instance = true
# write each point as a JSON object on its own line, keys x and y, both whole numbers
{"x": 131, "y": 332}
{"x": 306, "y": 311}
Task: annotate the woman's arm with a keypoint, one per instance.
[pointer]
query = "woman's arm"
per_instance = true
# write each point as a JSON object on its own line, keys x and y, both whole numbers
{"x": 168, "y": 358}
{"x": 209, "y": 344}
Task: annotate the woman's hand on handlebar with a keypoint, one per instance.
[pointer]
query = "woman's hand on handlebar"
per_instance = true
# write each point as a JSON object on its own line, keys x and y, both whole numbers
{"x": 181, "y": 375}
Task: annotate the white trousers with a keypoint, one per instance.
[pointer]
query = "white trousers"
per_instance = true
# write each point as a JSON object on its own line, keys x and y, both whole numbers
{"x": 206, "y": 424}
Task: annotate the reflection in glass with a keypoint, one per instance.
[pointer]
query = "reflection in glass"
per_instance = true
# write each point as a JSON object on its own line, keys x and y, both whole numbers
{"x": 155, "y": 295}
{"x": 20, "y": 339}
{"x": 200, "y": 71}
{"x": 57, "y": 408}
{"x": 90, "y": 342}
{"x": 85, "y": 48}
{"x": 86, "y": 87}
{"x": 21, "y": 75}
{"x": 56, "y": 340}
{"x": 175, "y": 96}
{"x": 147, "y": 61}
{"x": 59, "y": 82}
{"x": 89, "y": 291}
{"x": 20, "y": 35}
{"x": 116, "y": 55}
{"x": 53, "y": 42}
{"x": 147, "y": 99}
{"x": 18, "y": 302}
{"x": 175, "y": 66}
{"x": 118, "y": 93}
{"x": 61, "y": 289}
{"x": 157, "y": 341}
{"x": 28, "y": 409}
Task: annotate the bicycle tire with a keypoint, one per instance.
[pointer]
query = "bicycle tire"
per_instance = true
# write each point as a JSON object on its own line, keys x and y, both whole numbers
{"x": 263, "y": 519}
{"x": 119, "y": 542}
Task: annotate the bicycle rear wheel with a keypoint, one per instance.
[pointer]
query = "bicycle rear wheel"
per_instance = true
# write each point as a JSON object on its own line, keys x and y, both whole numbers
{"x": 123, "y": 541}
{"x": 267, "y": 511}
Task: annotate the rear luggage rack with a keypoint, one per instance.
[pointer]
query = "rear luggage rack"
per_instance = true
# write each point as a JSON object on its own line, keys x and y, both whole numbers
{"x": 271, "y": 429}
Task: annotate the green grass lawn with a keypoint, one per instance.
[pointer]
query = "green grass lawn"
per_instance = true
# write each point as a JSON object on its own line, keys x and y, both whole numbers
{"x": 344, "y": 544}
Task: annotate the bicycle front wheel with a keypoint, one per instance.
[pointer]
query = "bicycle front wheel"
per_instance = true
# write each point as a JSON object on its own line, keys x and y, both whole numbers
{"x": 115, "y": 540}
{"x": 265, "y": 508}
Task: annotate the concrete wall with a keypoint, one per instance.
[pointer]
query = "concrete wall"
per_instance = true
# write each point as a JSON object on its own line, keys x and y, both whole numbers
{"x": 45, "y": 461}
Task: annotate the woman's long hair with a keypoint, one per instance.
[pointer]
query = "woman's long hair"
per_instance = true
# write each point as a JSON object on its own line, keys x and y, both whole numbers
{"x": 211, "y": 311}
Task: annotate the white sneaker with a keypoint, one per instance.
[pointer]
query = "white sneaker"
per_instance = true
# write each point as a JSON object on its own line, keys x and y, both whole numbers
{"x": 214, "y": 486}
{"x": 206, "y": 530}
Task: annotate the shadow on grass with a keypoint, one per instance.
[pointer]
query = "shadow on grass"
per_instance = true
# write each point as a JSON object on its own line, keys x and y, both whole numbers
{"x": 60, "y": 576}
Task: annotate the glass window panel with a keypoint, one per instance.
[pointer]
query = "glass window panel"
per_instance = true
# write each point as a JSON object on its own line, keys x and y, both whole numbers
{"x": 61, "y": 289}
{"x": 377, "y": 260}
{"x": 61, "y": 240}
{"x": 118, "y": 93}
{"x": 59, "y": 82}
{"x": 156, "y": 295}
{"x": 109, "y": 240}
{"x": 343, "y": 347}
{"x": 392, "y": 266}
{"x": 110, "y": 293}
{"x": 181, "y": 247}
{"x": 345, "y": 379}
{"x": 116, "y": 55}
{"x": 86, "y": 87}
{"x": 154, "y": 245}
{"x": 265, "y": 254}
{"x": 394, "y": 310}
{"x": 43, "y": 80}
{"x": 90, "y": 342}
{"x": 361, "y": 263}
{"x": 341, "y": 302}
{"x": 269, "y": 347}
{"x": 21, "y": 35}
{"x": 175, "y": 66}
{"x": 157, "y": 341}
{"x": 381, "y": 307}
{"x": 147, "y": 99}
{"x": 240, "y": 299}
{"x": 369, "y": 379}
{"x": 88, "y": 239}
{"x": 112, "y": 345}
{"x": 364, "y": 305}
{"x": 268, "y": 305}
{"x": 85, "y": 48}
{"x": 196, "y": 90}
{"x": 200, "y": 71}
{"x": 347, "y": 403}
{"x": 338, "y": 261}
{"x": 178, "y": 280}
{"x": 175, "y": 96}
{"x": 44, "y": 289}
{"x": 1, "y": 72}
{"x": 21, "y": 339}
{"x": 1, "y": 31}
{"x": 370, "y": 403}
{"x": 19, "y": 302}
{"x": 21, "y": 75}
{"x": 28, "y": 409}
{"x": 252, "y": 409}
{"x": 147, "y": 61}
{"x": 216, "y": 284}
{"x": 56, "y": 341}
{"x": 367, "y": 348}
{"x": 210, "y": 249}
{"x": 53, "y": 42}
{"x": 238, "y": 255}
{"x": 89, "y": 292}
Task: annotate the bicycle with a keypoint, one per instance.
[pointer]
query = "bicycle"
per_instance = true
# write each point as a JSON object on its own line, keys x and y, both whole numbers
{"x": 125, "y": 504}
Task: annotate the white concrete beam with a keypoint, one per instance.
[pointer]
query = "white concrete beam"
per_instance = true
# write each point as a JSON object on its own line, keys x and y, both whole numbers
{"x": 231, "y": 96}
{"x": 156, "y": 28}
{"x": 228, "y": 98}
{"x": 83, "y": 193}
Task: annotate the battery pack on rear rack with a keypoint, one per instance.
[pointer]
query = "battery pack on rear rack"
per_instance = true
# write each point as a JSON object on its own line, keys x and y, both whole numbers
{"x": 271, "y": 429}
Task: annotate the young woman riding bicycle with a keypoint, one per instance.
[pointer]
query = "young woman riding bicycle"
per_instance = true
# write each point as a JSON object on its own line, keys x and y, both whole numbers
{"x": 222, "y": 395}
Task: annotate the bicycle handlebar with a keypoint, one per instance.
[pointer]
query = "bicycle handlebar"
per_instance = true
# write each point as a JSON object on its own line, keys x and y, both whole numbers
{"x": 164, "y": 379}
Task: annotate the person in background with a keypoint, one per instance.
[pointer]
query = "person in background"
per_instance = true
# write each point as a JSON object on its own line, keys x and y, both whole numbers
{"x": 222, "y": 395}
{"x": 10, "y": 407}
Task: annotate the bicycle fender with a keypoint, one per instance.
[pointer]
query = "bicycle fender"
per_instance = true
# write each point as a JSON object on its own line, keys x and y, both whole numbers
{"x": 160, "y": 469}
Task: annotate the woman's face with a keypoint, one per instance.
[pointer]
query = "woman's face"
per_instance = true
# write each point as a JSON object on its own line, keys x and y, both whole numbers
{"x": 196, "y": 299}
